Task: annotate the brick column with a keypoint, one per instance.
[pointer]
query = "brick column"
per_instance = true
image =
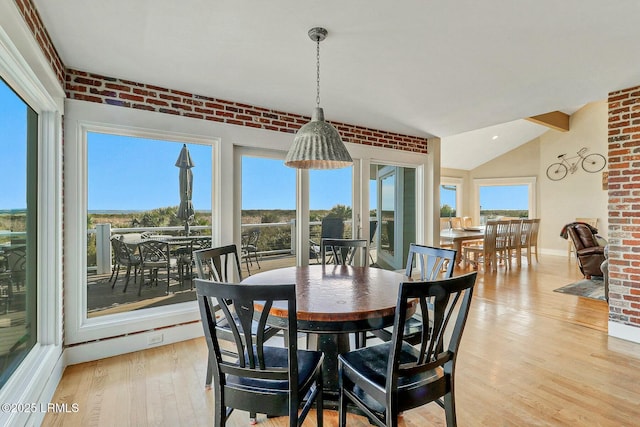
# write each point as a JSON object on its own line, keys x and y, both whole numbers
{"x": 624, "y": 207}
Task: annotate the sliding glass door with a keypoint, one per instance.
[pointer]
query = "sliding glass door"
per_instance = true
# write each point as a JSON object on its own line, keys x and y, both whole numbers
{"x": 395, "y": 214}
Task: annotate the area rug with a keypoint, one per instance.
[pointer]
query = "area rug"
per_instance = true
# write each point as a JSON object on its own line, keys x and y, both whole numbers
{"x": 587, "y": 288}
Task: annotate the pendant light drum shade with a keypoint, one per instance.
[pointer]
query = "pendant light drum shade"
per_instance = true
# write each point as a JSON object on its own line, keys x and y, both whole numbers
{"x": 318, "y": 145}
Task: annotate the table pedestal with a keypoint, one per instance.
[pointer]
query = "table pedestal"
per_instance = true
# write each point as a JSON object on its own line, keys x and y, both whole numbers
{"x": 331, "y": 345}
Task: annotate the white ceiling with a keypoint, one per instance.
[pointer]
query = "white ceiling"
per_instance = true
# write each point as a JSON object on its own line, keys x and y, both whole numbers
{"x": 422, "y": 67}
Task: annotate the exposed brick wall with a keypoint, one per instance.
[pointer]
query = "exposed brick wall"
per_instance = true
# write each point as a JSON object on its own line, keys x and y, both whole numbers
{"x": 624, "y": 206}
{"x": 107, "y": 90}
{"x": 32, "y": 18}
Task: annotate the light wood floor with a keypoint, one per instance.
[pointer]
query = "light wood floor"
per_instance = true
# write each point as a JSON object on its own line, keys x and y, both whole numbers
{"x": 529, "y": 357}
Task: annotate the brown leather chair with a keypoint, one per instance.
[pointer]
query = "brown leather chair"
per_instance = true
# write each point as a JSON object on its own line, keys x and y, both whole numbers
{"x": 590, "y": 254}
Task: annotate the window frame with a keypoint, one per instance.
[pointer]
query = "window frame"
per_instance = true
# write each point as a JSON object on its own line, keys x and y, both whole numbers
{"x": 36, "y": 376}
{"x": 529, "y": 181}
{"x": 78, "y": 327}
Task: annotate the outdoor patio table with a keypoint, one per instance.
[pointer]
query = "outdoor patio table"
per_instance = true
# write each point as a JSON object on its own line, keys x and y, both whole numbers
{"x": 333, "y": 301}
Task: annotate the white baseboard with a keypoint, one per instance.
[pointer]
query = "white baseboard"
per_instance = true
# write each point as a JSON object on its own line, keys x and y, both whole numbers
{"x": 101, "y": 349}
{"x": 625, "y": 332}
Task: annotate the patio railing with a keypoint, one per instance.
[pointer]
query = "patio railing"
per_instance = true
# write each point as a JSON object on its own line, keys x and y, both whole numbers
{"x": 104, "y": 232}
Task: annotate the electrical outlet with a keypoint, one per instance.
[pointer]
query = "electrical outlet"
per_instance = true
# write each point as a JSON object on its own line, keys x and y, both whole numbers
{"x": 155, "y": 339}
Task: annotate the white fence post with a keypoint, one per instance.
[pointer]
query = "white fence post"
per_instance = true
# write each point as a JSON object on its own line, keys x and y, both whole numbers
{"x": 293, "y": 236}
{"x": 103, "y": 248}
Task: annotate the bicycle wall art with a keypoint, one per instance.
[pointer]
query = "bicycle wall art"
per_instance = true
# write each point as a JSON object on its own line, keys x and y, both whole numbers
{"x": 591, "y": 163}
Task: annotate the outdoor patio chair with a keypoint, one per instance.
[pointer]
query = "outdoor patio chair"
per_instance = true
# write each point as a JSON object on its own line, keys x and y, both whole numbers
{"x": 185, "y": 256}
{"x": 250, "y": 247}
{"x": 269, "y": 380}
{"x": 155, "y": 255}
{"x": 386, "y": 379}
{"x": 123, "y": 256}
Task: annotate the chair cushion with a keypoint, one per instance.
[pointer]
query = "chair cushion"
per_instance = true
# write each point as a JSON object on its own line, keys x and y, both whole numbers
{"x": 372, "y": 363}
{"x": 276, "y": 357}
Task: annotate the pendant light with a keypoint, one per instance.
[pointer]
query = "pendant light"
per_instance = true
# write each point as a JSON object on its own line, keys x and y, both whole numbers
{"x": 317, "y": 144}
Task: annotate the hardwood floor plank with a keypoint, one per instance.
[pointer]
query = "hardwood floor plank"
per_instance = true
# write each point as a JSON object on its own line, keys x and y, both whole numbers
{"x": 529, "y": 356}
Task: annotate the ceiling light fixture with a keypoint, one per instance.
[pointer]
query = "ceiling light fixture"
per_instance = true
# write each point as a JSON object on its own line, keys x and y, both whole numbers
{"x": 317, "y": 144}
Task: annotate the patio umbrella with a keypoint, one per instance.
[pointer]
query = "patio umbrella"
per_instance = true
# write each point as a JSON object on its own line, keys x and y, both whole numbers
{"x": 185, "y": 211}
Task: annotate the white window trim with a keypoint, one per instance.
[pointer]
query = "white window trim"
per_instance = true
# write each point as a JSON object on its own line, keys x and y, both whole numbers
{"x": 83, "y": 119}
{"x": 529, "y": 181}
{"x": 35, "y": 379}
{"x": 458, "y": 182}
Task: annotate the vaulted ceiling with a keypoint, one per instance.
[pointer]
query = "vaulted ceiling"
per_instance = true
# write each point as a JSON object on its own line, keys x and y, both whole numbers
{"x": 461, "y": 70}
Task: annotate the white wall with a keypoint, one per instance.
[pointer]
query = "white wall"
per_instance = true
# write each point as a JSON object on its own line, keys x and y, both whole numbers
{"x": 579, "y": 194}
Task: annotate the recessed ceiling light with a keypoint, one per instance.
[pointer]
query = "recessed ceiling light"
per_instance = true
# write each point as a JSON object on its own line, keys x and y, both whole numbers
{"x": 494, "y": 137}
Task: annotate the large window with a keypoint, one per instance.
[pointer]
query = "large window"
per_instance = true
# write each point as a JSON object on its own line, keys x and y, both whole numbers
{"x": 268, "y": 214}
{"x": 505, "y": 197}
{"x": 18, "y": 244}
{"x": 134, "y": 199}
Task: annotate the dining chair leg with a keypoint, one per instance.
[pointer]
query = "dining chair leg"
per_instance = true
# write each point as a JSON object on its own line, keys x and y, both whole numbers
{"x": 450, "y": 409}
{"x": 342, "y": 409}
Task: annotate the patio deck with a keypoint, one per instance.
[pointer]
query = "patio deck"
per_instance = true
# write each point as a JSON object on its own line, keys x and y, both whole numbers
{"x": 103, "y": 300}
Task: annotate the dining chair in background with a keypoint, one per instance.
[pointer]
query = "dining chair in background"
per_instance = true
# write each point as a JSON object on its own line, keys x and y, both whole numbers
{"x": 263, "y": 379}
{"x": 431, "y": 264}
{"x": 331, "y": 228}
{"x": 514, "y": 244}
{"x": 485, "y": 253}
{"x": 222, "y": 264}
{"x": 344, "y": 251}
{"x": 386, "y": 379}
{"x": 456, "y": 222}
{"x": 530, "y": 229}
{"x": 467, "y": 222}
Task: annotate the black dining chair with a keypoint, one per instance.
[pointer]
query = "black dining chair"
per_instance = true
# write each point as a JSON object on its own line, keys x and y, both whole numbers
{"x": 344, "y": 251}
{"x": 331, "y": 228}
{"x": 389, "y": 378}
{"x": 432, "y": 264}
{"x": 262, "y": 379}
{"x": 222, "y": 264}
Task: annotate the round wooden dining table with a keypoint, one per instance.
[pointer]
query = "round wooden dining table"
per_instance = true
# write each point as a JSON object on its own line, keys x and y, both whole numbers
{"x": 333, "y": 301}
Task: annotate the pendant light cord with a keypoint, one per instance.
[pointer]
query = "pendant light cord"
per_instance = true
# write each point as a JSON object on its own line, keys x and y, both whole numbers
{"x": 318, "y": 72}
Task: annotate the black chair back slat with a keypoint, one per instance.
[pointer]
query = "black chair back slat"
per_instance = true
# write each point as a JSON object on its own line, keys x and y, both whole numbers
{"x": 395, "y": 376}
{"x": 261, "y": 377}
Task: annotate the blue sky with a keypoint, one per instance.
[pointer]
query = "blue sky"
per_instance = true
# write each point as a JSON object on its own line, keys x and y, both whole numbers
{"x": 494, "y": 197}
{"x": 13, "y": 161}
{"x": 127, "y": 173}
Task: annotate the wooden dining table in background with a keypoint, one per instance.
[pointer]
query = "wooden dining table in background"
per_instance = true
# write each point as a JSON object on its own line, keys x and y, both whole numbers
{"x": 333, "y": 301}
{"x": 456, "y": 236}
